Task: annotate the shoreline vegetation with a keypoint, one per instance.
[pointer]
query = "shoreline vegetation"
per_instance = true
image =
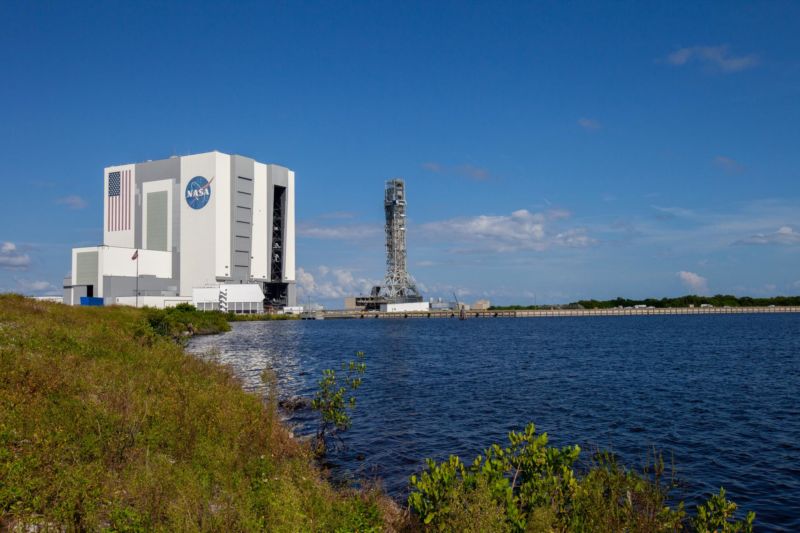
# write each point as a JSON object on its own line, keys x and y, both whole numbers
{"x": 690, "y": 300}
{"x": 107, "y": 424}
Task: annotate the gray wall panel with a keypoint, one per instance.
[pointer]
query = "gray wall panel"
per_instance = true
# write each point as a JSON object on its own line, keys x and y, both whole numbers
{"x": 157, "y": 220}
{"x": 242, "y": 175}
{"x": 86, "y": 269}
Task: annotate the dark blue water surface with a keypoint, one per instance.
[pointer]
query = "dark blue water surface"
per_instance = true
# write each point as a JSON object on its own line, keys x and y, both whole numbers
{"x": 718, "y": 394}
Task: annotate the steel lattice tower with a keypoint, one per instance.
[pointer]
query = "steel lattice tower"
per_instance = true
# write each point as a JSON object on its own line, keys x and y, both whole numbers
{"x": 398, "y": 285}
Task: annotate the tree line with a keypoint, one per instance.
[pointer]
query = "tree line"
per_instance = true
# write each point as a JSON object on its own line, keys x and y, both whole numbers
{"x": 718, "y": 300}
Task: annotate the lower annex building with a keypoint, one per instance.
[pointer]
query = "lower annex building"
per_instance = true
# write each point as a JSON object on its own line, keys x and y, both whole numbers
{"x": 175, "y": 228}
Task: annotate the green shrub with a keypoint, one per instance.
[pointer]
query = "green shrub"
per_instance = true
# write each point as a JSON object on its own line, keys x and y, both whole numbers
{"x": 184, "y": 320}
{"x": 334, "y": 397}
{"x": 717, "y": 515}
{"x": 529, "y": 486}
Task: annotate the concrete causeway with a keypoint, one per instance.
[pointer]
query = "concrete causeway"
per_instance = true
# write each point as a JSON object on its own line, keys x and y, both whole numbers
{"x": 349, "y": 314}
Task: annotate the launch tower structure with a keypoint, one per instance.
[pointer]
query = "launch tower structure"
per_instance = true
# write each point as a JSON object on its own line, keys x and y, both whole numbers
{"x": 398, "y": 286}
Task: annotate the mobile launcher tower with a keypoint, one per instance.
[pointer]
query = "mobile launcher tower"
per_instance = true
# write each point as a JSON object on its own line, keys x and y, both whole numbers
{"x": 398, "y": 287}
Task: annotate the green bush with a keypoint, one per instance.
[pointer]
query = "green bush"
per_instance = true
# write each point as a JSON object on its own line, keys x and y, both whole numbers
{"x": 334, "y": 397}
{"x": 529, "y": 486}
{"x": 717, "y": 515}
{"x": 184, "y": 320}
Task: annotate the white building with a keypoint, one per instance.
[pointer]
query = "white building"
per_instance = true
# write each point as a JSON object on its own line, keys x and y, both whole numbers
{"x": 196, "y": 221}
{"x": 405, "y": 307}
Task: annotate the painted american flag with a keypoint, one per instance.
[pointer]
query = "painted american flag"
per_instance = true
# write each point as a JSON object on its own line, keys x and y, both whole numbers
{"x": 119, "y": 209}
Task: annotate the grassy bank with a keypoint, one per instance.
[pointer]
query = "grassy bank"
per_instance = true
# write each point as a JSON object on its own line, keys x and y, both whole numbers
{"x": 106, "y": 423}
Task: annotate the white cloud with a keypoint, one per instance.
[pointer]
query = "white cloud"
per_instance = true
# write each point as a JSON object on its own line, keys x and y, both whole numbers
{"x": 589, "y": 124}
{"x": 717, "y": 57}
{"x": 728, "y": 164}
{"x": 522, "y": 230}
{"x": 38, "y": 287}
{"x": 694, "y": 281}
{"x": 331, "y": 283}
{"x": 703, "y": 230}
{"x": 72, "y": 201}
{"x": 784, "y": 235}
{"x": 12, "y": 258}
{"x": 351, "y": 232}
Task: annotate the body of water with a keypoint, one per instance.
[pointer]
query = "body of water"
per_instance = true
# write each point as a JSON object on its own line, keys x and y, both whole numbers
{"x": 718, "y": 395}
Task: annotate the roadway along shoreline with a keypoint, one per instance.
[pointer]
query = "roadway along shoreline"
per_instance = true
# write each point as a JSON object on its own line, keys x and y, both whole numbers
{"x": 348, "y": 314}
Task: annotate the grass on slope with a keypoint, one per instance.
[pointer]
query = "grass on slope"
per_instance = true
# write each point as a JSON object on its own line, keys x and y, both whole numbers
{"x": 107, "y": 424}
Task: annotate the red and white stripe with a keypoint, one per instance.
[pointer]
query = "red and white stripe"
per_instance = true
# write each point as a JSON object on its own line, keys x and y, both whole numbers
{"x": 119, "y": 215}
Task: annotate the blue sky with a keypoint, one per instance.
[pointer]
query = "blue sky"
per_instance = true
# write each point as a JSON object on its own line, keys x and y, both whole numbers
{"x": 552, "y": 150}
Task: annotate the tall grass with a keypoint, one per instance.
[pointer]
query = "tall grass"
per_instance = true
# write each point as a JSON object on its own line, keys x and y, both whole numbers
{"x": 105, "y": 423}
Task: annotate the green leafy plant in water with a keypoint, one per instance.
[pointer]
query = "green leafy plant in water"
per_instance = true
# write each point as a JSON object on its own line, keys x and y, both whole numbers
{"x": 524, "y": 476}
{"x": 529, "y": 486}
{"x": 717, "y": 515}
{"x": 334, "y": 398}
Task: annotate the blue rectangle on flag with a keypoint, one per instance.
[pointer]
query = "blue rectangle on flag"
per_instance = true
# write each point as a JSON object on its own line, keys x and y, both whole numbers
{"x": 113, "y": 184}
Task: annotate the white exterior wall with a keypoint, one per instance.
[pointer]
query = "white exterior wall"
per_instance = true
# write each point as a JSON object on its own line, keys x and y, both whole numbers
{"x": 205, "y": 295}
{"x": 288, "y": 266}
{"x": 157, "y": 186}
{"x": 259, "y": 265}
{"x": 118, "y": 262}
{"x": 159, "y": 302}
{"x": 123, "y": 238}
{"x": 239, "y": 292}
{"x": 405, "y": 307}
{"x": 198, "y": 226}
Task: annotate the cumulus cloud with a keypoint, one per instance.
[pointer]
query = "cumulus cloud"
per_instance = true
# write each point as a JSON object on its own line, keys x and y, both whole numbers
{"x": 331, "y": 283}
{"x": 728, "y": 165}
{"x": 589, "y": 124}
{"x": 717, "y": 57}
{"x": 785, "y": 235}
{"x": 522, "y": 230}
{"x": 466, "y": 170}
{"x": 347, "y": 232}
{"x": 72, "y": 201}
{"x": 12, "y": 258}
{"x": 695, "y": 282}
{"x": 35, "y": 287}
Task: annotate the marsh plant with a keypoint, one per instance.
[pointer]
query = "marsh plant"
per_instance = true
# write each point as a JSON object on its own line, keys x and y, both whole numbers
{"x": 530, "y": 486}
{"x": 334, "y": 398}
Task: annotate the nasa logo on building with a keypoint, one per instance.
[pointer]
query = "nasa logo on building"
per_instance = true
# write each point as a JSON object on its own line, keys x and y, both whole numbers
{"x": 198, "y": 192}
